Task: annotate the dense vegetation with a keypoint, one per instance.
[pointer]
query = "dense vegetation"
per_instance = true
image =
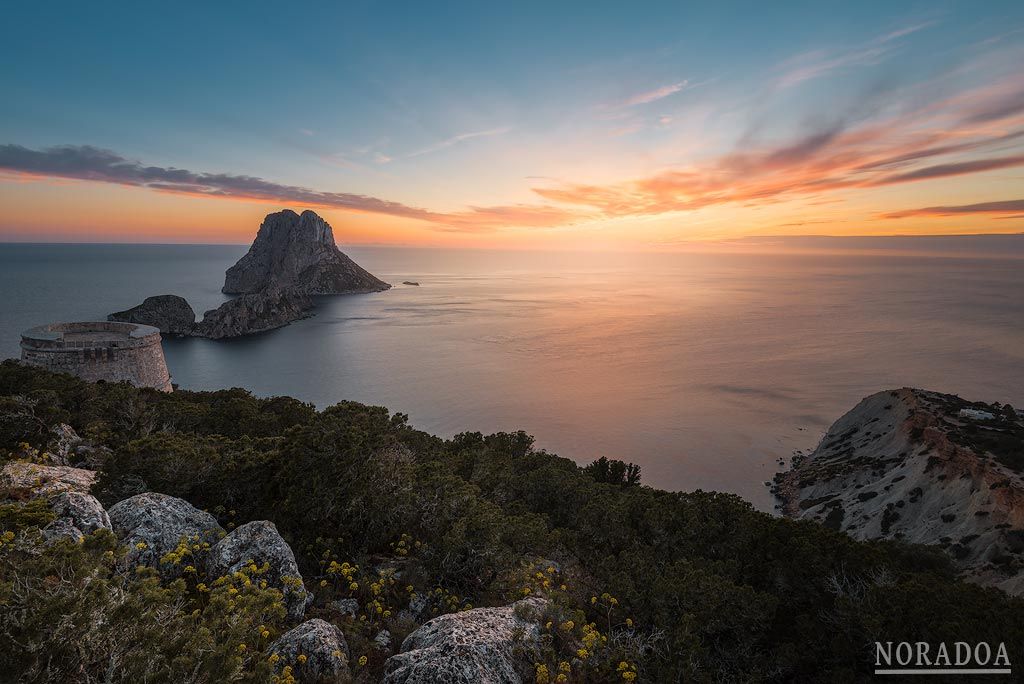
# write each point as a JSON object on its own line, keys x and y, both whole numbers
{"x": 645, "y": 584}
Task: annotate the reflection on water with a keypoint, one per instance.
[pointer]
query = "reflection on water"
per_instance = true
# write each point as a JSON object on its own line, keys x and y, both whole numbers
{"x": 703, "y": 368}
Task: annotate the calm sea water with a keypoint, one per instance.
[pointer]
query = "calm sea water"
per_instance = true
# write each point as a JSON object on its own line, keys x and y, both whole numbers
{"x": 703, "y": 368}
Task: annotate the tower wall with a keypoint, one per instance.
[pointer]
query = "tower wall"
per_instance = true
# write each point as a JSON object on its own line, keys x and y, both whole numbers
{"x": 99, "y": 350}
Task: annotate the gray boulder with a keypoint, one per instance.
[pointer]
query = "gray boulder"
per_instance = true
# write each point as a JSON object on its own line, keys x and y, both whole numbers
{"x": 170, "y": 313}
{"x": 62, "y": 528}
{"x": 83, "y": 511}
{"x": 153, "y": 525}
{"x": 322, "y": 643}
{"x": 61, "y": 445}
{"x": 382, "y": 641}
{"x": 298, "y": 252}
{"x": 258, "y": 542}
{"x": 479, "y": 646}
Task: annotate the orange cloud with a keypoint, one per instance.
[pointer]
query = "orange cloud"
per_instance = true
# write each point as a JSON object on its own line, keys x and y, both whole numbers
{"x": 1004, "y": 207}
{"x": 868, "y": 155}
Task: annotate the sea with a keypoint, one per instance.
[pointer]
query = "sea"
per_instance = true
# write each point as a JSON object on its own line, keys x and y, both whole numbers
{"x": 707, "y": 365}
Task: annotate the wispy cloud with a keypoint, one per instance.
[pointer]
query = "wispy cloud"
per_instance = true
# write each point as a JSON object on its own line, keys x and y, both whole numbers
{"x": 818, "y": 63}
{"x": 848, "y": 155}
{"x": 460, "y": 138}
{"x": 83, "y": 162}
{"x": 1003, "y": 207}
{"x": 655, "y": 95}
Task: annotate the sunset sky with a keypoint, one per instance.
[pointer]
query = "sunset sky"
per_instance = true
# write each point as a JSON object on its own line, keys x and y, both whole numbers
{"x": 548, "y": 124}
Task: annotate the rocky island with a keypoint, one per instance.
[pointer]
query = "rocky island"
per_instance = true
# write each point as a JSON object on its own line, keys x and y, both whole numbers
{"x": 218, "y": 536}
{"x": 292, "y": 258}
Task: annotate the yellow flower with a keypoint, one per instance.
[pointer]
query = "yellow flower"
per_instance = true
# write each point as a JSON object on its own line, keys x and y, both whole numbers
{"x": 354, "y": 586}
{"x": 362, "y": 661}
{"x": 264, "y": 634}
{"x": 189, "y": 568}
{"x": 336, "y": 653}
{"x": 582, "y": 653}
{"x": 561, "y": 678}
{"x": 323, "y": 583}
{"x": 141, "y": 546}
{"x": 564, "y": 667}
{"x": 241, "y": 648}
{"x": 302, "y": 659}
{"x": 274, "y": 658}
{"x": 593, "y": 600}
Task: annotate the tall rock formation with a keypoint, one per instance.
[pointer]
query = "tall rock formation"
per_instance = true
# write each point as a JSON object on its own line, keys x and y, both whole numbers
{"x": 292, "y": 258}
{"x": 926, "y": 468}
{"x": 293, "y": 251}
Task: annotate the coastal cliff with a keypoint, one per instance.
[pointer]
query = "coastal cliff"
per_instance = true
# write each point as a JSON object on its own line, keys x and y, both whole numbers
{"x": 926, "y": 468}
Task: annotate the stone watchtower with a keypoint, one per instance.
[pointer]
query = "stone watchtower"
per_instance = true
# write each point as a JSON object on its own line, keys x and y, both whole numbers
{"x": 99, "y": 350}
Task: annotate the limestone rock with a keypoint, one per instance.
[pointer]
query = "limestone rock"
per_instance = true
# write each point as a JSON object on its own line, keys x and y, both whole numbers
{"x": 46, "y": 480}
{"x": 348, "y": 606}
{"x": 299, "y": 252}
{"x": 483, "y": 645}
{"x": 322, "y": 643}
{"x": 153, "y": 524}
{"x": 83, "y": 511}
{"x": 170, "y": 313}
{"x": 382, "y": 641}
{"x": 61, "y": 446}
{"x": 62, "y": 528}
{"x": 260, "y": 542}
{"x": 254, "y": 313}
{"x": 926, "y": 468}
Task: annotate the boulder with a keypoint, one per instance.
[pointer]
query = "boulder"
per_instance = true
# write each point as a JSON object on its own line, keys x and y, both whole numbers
{"x": 63, "y": 528}
{"x": 170, "y": 313}
{"x": 259, "y": 542}
{"x": 348, "y": 606}
{"x": 254, "y": 313}
{"x": 322, "y": 643}
{"x": 298, "y": 252}
{"x": 43, "y": 480}
{"x": 153, "y": 525}
{"x": 82, "y": 511}
{"x": 61, "y": 446}
{"x": 382, "y": 641}
{"x": 483, "y": 645}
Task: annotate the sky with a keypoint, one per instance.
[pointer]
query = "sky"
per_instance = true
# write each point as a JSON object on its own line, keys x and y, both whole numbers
{"x": 521, "y": 125}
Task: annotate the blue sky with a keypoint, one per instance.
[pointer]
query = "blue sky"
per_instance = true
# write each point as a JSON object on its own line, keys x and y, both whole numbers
{"x": 445, "y": 106}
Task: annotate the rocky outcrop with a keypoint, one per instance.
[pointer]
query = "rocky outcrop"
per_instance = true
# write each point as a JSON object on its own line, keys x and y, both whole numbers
{"x": 294, "y": 251}
{"x": 483, "y": 645}
{"x": 152, "y": 525}
{"x": 927, "y": 468}
{"x": 61, "y": 446}
{"x": 323, "y": 645}
{"x": 76, "y": 512}
{"x": 44, "y": 480}
{"x": 83, "y": 511}
{"x": 254, "y": 313}
{"x": 259, "y": 543}
{"x": 170, "y": 313}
